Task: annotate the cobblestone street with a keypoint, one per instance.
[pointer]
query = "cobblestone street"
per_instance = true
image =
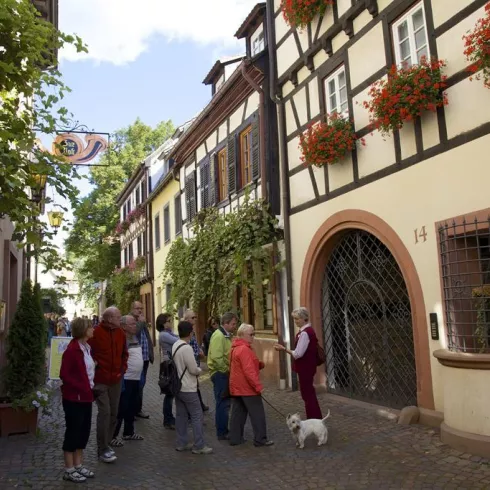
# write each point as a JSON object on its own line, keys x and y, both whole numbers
{"x": 364, "y": 451}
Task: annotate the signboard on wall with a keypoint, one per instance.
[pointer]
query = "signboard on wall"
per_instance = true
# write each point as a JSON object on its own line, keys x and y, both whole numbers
{"x": 58, "y": 346}
{"x": 72, "y": 148}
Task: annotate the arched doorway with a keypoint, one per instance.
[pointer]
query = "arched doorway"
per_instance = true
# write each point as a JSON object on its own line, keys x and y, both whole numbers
{"x": 367, "y": 323}
{"x": 323, "y": 243}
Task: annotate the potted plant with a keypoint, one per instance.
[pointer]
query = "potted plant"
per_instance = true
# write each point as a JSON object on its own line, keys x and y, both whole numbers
{"x": 25, "y": 372}
{"x": 477, "y": 48}
{"x": 299, "y": 13}
{"x": 405, "y": 94}
{"x": 326, "y": 143}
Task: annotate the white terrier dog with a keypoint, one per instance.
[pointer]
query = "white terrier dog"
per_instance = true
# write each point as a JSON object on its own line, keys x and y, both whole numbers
{"x": 301, "y": 429}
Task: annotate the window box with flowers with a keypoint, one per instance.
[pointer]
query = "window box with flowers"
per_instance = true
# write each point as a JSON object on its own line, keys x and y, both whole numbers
{"x": 299, "y": 13}
{"x": 326, "y": 143}
{"x": 407, "y": 93}
{"x": 477, "y": 48}
{"x": 123, "y": 226}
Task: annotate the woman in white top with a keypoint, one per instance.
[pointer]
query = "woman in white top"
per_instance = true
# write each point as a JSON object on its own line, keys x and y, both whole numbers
{"x": 187, "y": 401}
{"x": 128, "y": 403}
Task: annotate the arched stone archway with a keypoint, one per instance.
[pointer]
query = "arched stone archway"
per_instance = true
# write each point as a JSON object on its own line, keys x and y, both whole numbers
{"x": 324, "y": 242}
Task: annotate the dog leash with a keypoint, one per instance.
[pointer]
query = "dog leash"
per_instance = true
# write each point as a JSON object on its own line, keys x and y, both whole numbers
{"x": 273, "y": 407}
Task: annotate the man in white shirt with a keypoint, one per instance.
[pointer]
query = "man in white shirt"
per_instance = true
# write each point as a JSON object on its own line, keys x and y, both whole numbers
{"x": 187, "y": 401}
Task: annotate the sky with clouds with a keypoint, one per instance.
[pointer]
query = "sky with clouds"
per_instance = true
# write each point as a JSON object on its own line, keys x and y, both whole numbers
{"x": 146, "y": 59}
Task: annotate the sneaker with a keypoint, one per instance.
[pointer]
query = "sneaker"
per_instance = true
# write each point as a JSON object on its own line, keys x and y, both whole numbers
{"x": 107, "y": 457}
{"x": 184, "y": 448}
{"x": 110, "y": 450}
{"x": 203, "y": 450}
{"x": 142, "y": 415}
{"x": 73, "y": 476}
{"x": 224, "y": 438}
{"x": 266, "y": 443}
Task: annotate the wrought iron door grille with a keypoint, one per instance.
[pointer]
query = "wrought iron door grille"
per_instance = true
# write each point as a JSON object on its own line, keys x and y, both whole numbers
{"x": 367, "y": 324}
{"x": 465, "y": 264}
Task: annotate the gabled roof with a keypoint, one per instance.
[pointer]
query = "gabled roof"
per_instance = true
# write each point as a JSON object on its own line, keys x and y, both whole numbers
{"x": 250, "y": 23}
{"x": 221, "y": 63}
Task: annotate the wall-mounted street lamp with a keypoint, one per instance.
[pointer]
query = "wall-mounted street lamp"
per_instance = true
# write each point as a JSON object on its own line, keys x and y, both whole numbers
{"x": 55, "y": 219}
{"x": 38, "y": 188}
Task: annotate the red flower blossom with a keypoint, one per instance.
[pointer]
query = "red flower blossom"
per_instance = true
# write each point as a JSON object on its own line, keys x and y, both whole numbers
{"x": 477, "y": 48}
{"x": 327, "y": 142}
{"x": 406, "y": 94}
{"x": 299, "y": 13}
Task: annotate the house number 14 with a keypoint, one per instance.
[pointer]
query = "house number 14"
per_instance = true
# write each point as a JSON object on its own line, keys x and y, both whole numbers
{"x": 420, "y": 235}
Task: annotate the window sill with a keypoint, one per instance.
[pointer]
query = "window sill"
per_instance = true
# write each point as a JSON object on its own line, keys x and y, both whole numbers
{"x": 462, "y": 360}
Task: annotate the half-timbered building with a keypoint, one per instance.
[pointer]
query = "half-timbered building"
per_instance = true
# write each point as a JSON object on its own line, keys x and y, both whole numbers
{"x": 389, "y": 248}
{"x": 229, "y": 151}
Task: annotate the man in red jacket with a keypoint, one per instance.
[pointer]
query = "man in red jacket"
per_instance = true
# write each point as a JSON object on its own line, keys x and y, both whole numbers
{"x": 111, "y": 356}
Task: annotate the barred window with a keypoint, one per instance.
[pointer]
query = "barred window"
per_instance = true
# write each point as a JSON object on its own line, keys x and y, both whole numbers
{"x": 465, "y": 261}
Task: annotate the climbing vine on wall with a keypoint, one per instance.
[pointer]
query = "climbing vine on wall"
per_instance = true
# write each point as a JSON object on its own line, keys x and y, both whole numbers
{"x": 224, "y": 252}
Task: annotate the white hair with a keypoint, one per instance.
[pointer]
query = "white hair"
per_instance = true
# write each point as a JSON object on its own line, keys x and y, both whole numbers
{"x": 302, "y": 313}
{"x": 243, "y": 329}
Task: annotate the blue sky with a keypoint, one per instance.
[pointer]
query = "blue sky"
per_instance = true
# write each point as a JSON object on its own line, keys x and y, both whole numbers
{"x": 146, "y": 59}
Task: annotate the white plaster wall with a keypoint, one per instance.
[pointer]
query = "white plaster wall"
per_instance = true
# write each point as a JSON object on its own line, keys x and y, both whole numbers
{"x": 314, "y": 97}
{"x": 343, "y": 6}
{"x": 407, "y": 201}
{"x": 300, "y": 103}
{"x": 407, "y": 140}
{"x": 294, "y": 153}
{"x": 340, "y": 173}
{"x": 443, "y": 11}
{"x": 287, "y": 54}
{"x": 367, "y": 55}
{"x": 212, "y": 140}
{"x": 430, "y": 130}
{"x": 301, "y": 188}
{"x": 236, "y": 118}
{"x": 378, "y": 153}
{"x": 200, "y": 152}
{"x": 327, "y": 21}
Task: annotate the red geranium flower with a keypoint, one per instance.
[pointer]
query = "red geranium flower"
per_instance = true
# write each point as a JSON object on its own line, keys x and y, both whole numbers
{"x": 299, "y": 13}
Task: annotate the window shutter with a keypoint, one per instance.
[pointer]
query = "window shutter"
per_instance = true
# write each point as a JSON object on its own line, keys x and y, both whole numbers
{"x": 190, "y": 196}
{"x": 205, "y": 170}
{"x": 255, "y": 157}
{"x": 232, "y": 158}
{"x": 213, "y": 179}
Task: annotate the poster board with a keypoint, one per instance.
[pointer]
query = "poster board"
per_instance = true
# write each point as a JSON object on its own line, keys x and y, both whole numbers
{"x": 58, "y": 346}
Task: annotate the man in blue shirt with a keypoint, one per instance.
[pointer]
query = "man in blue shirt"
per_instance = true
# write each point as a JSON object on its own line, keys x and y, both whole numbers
{"x": 146, "y": 342}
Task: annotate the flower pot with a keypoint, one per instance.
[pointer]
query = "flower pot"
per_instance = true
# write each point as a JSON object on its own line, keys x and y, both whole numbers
{"x": 13, "y": 421}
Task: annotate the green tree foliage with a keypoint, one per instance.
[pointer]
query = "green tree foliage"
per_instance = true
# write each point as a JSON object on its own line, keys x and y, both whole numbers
{"x": 26, "y": 342}
{"x": 55, "y": 298}
{"x": 91, "y": 241}
{"x": 31, "y": 89}
{"x": 225, "y": 251}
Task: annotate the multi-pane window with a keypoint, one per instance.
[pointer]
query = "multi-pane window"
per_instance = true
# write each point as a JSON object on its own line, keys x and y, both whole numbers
{"x": 336, "y": 93}
{"x": 258, "y": 43}
{"x": 246, "y": 155}
{"x": 166, "y": 223}
{"x": 138, "y": 195}
{"x": 410, "y": 37}
{"x": 139, "y": 245}
{"x": 178, "y": 215}
{"x": 157, "y": 231}
{"x": 222, "y": 175}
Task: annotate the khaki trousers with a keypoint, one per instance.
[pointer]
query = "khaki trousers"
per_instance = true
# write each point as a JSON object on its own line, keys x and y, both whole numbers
{"x": 107, "y": 399}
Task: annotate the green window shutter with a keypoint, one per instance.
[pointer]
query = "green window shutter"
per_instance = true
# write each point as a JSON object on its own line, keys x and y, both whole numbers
{"x": 232, "y": 166}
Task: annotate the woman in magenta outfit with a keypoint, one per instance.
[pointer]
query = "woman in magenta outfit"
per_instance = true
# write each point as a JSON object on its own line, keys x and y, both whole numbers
{"x": 305, "y": 361}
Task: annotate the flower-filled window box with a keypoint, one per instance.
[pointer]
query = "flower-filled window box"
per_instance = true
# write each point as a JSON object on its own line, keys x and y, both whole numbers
{"x": 405, "y": 94}
{"x": 477, "y": 48}
{"x": 299, "y": 13}
{"x": 326, "y": 143}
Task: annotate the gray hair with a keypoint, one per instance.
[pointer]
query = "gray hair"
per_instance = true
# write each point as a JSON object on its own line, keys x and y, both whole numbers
{"x": 188, "y": 315}
{"x": 243, "y": 329}
{"x": 125, "y": 318}
{"x": 302, "y": 313}
{"x": 108, "y": 312}
{"x": 228, "y": 317}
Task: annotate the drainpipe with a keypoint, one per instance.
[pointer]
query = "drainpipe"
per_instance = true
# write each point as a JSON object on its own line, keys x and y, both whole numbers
{"x": 258, "y": 88}
{"x": 284, "y": 172}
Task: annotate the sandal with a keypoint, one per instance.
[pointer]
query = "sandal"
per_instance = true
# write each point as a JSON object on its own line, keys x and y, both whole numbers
{"x": 84, "y": 471}
{"x": 133, "y": 437}
{"x": 73, "y": 476}
{"x": 116, "y": 442}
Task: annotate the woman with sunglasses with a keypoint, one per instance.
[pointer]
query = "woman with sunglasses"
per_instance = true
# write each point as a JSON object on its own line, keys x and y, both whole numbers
{"x": 246, "y": 389}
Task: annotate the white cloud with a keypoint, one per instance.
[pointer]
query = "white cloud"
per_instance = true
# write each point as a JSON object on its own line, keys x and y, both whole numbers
{"x": 118, "y": 31}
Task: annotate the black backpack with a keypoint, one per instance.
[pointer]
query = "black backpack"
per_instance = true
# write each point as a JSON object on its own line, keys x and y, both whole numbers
{"x": 168, "y": 380}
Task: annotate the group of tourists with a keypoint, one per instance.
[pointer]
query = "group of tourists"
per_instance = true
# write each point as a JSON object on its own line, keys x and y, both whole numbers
{"x": 109, "y": 364}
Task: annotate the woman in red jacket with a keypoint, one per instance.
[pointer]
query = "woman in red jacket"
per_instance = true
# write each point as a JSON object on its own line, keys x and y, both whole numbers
{"x": 77, "y": 373}
{"x": 246, "y": 389}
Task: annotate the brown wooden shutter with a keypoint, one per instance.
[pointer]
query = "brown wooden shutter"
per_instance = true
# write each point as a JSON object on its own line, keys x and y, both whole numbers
{"x": 190, "y": 196}
{"x": 255, "y": 149}
{"x": 232, "y": 163}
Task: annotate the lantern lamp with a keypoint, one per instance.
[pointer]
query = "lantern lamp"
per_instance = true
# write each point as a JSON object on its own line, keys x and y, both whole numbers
{"x": 55, "y": 219}
{"x": 37, "y": 190}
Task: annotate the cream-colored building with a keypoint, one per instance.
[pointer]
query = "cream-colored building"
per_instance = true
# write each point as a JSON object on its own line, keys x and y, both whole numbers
{"x": 389, "y": 248}
{"x": 164, "y": 209}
